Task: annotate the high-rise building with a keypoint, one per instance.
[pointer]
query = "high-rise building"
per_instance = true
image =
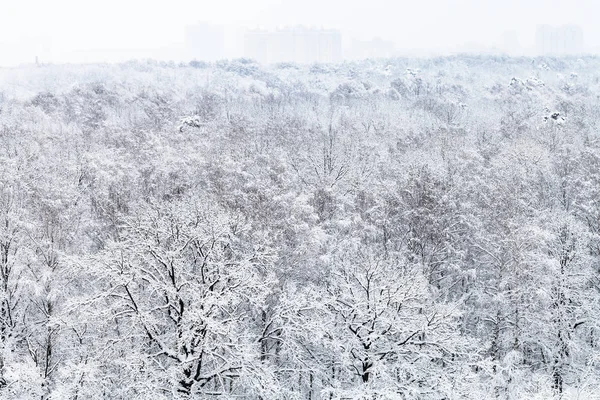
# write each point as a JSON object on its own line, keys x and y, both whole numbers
{"x": 556, "y": 41}
{"x": 298, "y": 44}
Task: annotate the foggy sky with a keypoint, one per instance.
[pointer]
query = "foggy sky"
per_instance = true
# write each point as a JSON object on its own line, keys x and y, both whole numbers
{"x": 113, "y": 30}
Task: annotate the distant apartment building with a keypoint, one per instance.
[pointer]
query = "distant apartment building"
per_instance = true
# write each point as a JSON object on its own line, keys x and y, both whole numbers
{"x": 205, "y": 42}
{"x": 300, "y": 45}
{"x": 557, "y": 41}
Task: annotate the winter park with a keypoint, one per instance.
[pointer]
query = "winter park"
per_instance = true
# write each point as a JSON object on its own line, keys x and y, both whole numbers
{"x": 264, "y": 209}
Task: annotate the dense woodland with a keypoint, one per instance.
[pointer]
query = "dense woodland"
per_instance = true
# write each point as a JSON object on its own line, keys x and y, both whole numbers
{"x": 391, "y": 229}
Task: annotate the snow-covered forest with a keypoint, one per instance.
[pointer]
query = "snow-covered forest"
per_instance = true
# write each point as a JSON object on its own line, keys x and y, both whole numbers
{"x": 393, "y": 229}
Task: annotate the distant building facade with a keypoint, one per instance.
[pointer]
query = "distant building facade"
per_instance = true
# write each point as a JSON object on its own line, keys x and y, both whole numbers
{"x": 557, "y": 41}
{"x": 205, "y": 42}
{"x": 300, "y": 45}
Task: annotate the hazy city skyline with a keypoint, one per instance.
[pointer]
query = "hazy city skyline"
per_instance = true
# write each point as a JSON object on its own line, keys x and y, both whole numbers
{"x": 562, "y": 40}
{"x": 68, "y": 31}
{"x": 294, "y": 44}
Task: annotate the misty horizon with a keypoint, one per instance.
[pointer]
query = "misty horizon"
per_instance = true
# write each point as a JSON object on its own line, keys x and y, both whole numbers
{"x": 64, "y": 32}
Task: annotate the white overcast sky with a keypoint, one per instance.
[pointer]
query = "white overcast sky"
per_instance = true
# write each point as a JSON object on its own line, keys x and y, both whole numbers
{"x": 109, "y": 30}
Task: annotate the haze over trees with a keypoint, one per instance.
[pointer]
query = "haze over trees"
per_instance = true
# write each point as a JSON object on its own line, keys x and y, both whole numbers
{"x": 390, "y": 229}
